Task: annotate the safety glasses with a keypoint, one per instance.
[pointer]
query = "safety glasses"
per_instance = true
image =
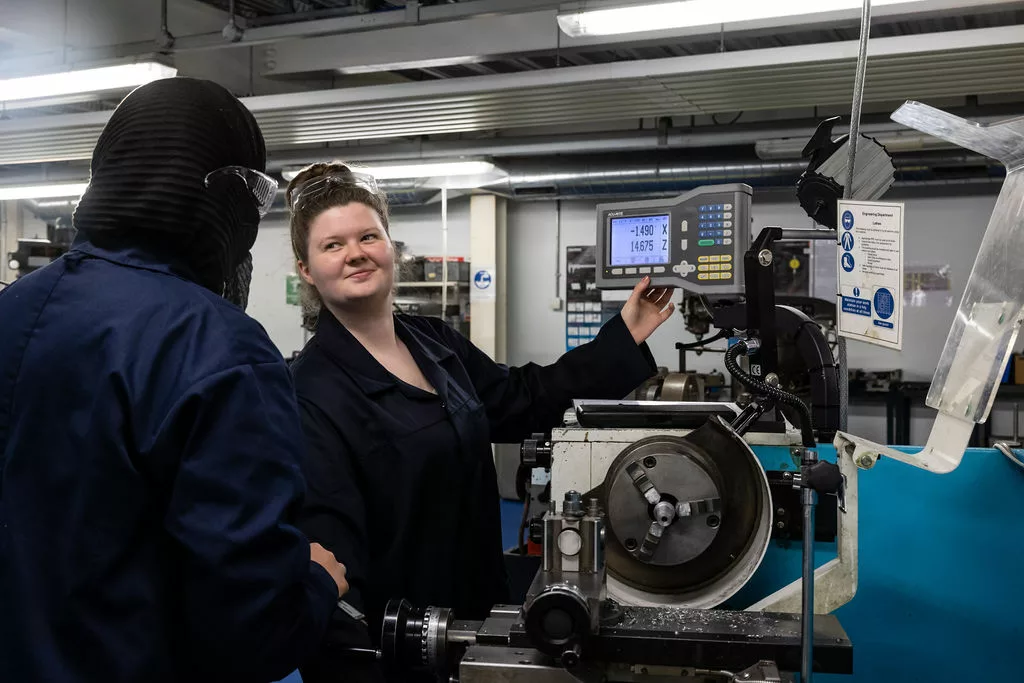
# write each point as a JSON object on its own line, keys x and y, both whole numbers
{"x": 262, "y": 187}
{"x": 319, "y": 186}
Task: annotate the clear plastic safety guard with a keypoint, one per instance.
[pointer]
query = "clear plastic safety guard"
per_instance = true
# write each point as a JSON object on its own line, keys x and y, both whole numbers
{"x": 990, "y": 314}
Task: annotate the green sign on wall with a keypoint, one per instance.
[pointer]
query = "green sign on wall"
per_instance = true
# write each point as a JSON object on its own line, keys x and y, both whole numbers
{"x": 291, "y": 289}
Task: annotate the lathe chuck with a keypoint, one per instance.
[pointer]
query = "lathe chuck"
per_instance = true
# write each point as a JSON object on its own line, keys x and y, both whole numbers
{"x": 688, "y": 518}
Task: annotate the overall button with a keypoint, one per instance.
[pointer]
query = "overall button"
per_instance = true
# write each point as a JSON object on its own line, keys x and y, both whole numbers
{"x": 644, "y": 270}
{"x": 715, "y": 258}
{"x": 659, "y": 269}
{"x": 726, "y": 266}
{"x": 726, "y": 258}
{"x": 630, "y": 271}
{"x": 704, "y": 268}
{"x": 684, "y": 226}
{"x": 726, "y": 276}
{"x": 616, "y": 271}
{"x": 727, "y": 240}
{"x": 714, "y": 276}
{"x": 702, "y": 276}
{"x": 704, "y": 259}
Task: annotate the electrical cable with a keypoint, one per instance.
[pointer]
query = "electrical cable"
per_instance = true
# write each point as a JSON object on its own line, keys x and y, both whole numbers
{"x": 803, "y": 412}
{"x": 1010, "y": 454}
{"x": 721, "y": 334}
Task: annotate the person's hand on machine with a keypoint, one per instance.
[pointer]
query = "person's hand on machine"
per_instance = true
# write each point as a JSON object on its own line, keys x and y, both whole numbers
{"x": 326, "y": 559}
{"x": 646, "y": 309}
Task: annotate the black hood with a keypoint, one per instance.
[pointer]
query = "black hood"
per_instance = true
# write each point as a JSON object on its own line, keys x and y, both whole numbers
{"x": 147, "y": 179}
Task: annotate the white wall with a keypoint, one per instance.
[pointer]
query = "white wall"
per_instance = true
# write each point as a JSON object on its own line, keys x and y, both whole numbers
{"x": 272, "y": 262}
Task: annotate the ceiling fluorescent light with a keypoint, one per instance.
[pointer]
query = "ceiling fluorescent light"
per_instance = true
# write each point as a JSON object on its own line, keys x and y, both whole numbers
{"x": 78, "y": 81}
{"x": 42, "y": 191}
{"x": 692, "y": 13}
{"x": 416, "y": 170}
{"x": 399, "y": 66}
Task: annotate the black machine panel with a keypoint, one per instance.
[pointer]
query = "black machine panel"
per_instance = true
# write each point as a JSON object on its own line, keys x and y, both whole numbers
{"x": 695, "y": 241}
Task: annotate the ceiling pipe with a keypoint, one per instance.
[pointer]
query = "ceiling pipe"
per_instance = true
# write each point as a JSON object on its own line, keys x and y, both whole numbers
{"x": 794, "y": 134}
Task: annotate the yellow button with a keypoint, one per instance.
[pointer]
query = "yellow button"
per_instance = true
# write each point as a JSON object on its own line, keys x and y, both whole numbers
{"x": 716, "y": 258}
{"x": 726, "y": 276}
{"x": 715, "y": 276}
{"x": 716, "y": 266}
{"x": 702, "y": 259}
{"x": 726, "y": 258}
{"x": 726, "y": 266}
{"x": 702, "y": 276}
{"x": 703, "y": 269}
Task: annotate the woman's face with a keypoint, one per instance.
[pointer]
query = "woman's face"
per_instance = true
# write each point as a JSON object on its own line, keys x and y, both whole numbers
{"x": 351, "y": 259}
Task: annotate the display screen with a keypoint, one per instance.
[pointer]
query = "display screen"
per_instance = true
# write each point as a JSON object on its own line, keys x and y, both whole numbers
{"x": 639, "y": 240}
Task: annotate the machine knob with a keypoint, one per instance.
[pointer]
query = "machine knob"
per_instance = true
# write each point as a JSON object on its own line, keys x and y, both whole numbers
{"x": 572, "y": 506}
{"x": 413, "y": 637}
{"x": 536, "y": 451}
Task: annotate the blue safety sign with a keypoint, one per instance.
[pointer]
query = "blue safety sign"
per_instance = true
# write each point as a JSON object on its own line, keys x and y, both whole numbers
{"x": 885, "y": 304}
{"x": 482, "y": 279}
{"x": 848, "y": 220}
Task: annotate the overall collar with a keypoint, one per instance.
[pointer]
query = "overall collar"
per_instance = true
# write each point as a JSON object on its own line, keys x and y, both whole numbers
{"x": 142, "y": 254}
{"x": 367, "y": 372}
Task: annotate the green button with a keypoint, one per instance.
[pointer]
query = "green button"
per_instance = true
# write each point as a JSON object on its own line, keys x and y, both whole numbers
{"x": 706, "y": 243}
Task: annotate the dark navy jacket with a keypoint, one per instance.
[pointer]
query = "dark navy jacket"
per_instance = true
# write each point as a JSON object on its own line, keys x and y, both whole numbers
{"x": 401, "y": 482}
{"x": 149, "y": 462}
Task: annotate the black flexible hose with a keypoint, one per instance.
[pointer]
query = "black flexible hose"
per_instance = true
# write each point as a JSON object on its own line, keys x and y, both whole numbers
{"x": 803, "y": 412}
{"x": 721, "y": 334}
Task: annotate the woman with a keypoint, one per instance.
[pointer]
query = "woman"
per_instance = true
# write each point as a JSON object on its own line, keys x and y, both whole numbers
{"x": 400, "y": 412}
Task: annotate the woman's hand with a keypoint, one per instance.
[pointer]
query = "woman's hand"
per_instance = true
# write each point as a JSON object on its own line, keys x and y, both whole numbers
{"x": 645, "y": 310}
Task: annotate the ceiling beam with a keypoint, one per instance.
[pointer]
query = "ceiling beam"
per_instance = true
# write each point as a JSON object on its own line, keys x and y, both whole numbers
{"x": 483, "y": 37}
{"x": 950, "y": 64}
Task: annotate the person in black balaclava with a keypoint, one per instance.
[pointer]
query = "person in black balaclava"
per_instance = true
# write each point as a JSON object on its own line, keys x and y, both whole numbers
{"x": 149, "y": 437}
{"x": 148, "y": 172}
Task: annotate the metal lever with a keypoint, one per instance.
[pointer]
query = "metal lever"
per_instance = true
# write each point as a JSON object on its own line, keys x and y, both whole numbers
{"x": 825, "y": 478}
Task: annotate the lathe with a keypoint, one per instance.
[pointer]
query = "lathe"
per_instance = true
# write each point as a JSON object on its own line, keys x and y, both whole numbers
{"x": 667, "y": 516}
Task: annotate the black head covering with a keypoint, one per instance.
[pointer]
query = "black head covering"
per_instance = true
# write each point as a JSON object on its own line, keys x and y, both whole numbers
{"x": 148, "y": 172}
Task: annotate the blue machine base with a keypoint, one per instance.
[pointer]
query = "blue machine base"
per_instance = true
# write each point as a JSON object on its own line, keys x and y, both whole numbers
{"x": 938, "y": 589}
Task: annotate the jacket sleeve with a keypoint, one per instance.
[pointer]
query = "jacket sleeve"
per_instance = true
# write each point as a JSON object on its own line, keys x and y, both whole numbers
{"x": 334, "y": 515}
{"x": 533, "y": 398}
{"x": 254, "y": 604}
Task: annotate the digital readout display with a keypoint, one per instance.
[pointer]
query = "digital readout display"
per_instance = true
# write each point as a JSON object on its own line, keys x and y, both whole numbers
{"x": 639, "y": 240}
